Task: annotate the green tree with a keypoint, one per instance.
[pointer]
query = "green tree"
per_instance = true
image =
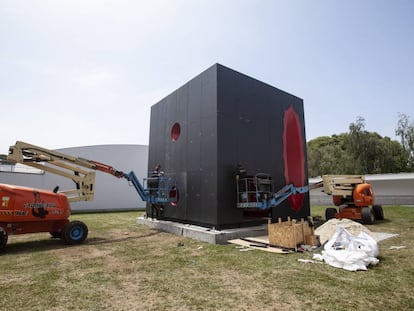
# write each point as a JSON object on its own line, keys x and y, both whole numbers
{"x": 358, "y": 146}
{"x": 382, "y": 155}
{"x": 356, "y": 152}
{"x": 405, "y": 130}
{"x": 394, "y": 159}
{"x": 326, "y": 155}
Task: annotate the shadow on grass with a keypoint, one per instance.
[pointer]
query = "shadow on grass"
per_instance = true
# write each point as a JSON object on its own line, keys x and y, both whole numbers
{"x": 33, "y": 246}
{"x": 383, "y": 221}
{"x": 100, "y": 240}
{"x": 24, "y": 247}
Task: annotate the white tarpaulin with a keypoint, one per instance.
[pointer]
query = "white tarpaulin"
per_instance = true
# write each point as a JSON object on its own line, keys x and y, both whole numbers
{"x": 348, "y": 251}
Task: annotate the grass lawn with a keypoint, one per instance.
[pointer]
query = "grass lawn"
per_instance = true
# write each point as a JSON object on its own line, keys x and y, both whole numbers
{"x": 125, "y": 266}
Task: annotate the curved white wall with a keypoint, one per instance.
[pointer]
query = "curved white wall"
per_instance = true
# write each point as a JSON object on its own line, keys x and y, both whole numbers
{"x": 111, "y": 193}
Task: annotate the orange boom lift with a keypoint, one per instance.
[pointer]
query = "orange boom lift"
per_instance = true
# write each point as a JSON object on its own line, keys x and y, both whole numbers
{"x": 354, "y": 197}
{"x": 27, "y": 210}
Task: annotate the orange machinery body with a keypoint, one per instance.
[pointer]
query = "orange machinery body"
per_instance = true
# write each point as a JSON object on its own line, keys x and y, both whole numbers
{"x": 28, "y": 210}
{"x": 362, "y": 196}
{"x": 354, "y": 197}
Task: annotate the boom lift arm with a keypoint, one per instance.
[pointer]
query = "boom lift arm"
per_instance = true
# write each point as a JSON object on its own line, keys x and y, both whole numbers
{"x": 256, "y": 192}
{"x": 81, "y": 171}
{"x": 343, "y": 189}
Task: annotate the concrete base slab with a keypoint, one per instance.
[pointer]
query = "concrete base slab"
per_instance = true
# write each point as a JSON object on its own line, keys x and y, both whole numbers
{"x": 203, "y": 234}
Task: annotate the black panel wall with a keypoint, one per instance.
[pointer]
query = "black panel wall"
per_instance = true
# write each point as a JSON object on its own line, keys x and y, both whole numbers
{"x": 225, "y": 118}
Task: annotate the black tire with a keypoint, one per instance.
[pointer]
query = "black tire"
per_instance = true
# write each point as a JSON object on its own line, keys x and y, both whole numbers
{"x": 367, "y": 215}
{"x": 378, "y": 212}
{"x": 56, "y": 235}
{"x": 330, "y": 213}
{"x": 3, "y": 239}
{"x": 74, "y": 232}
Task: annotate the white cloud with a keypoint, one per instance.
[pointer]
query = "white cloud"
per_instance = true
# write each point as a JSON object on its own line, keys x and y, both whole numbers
{"x": 94, "y": 79}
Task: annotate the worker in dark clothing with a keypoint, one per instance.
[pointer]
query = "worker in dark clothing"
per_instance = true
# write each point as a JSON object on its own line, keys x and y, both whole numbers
{"x": 153, "y": 181}
{"x": 157, "y": 171}
{"x": 155, "y": 209}
{"x": 153, "y": 185}
{"x": 240, "y": 172}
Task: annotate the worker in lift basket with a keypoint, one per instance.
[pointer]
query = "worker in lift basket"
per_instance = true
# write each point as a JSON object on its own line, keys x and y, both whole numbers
{"x": 241, "y": 175}
{"x": 153, "y": 185}
{"x": 240, "y": 172}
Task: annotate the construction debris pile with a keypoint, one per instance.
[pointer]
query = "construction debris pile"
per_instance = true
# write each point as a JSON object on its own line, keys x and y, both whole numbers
{"x": 328, "y": 229}
{"x": 344, "y": 243}
{"x": 347, "y": 245}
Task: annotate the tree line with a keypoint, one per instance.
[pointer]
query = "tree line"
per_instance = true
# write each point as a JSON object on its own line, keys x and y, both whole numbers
{"x": 362, "y": 152}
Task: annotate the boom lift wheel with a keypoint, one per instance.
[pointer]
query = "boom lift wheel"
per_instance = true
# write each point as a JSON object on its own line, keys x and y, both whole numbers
{"x": 3, "y": 238}
{"x": 74, "y": 232}
{"x": 378, "y": 212}
{"x": 367, "y": 215}
{"x": 330, "y": 213}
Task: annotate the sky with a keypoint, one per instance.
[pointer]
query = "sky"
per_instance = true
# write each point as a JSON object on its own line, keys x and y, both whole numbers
{"x": 86, "y": 72}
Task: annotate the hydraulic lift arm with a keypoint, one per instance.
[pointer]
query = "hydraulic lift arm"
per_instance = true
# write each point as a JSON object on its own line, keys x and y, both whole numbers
{"x": 256, "y": 192}
{"x": 81, "y": 171}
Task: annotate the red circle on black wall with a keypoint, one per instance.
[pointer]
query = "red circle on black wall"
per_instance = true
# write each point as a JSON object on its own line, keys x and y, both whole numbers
{"x": 175, "y": 132}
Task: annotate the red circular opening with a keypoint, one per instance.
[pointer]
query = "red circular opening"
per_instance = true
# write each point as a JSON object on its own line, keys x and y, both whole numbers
{"x": 175, "y": 132}
{"x": 174, "y": 195}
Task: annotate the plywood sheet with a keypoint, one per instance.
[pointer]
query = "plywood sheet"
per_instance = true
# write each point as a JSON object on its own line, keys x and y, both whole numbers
{"x": 259, "y": 246}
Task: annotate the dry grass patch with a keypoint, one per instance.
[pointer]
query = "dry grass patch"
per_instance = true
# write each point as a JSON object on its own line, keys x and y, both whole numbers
{"x": 125, "y": 266}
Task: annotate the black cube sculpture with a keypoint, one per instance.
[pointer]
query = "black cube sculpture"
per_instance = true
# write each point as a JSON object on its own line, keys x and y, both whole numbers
{"x": 220, "y": 118}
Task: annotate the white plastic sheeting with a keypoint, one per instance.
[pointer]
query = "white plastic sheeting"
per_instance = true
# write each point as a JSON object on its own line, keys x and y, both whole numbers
{"x": 348, "y": 251}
